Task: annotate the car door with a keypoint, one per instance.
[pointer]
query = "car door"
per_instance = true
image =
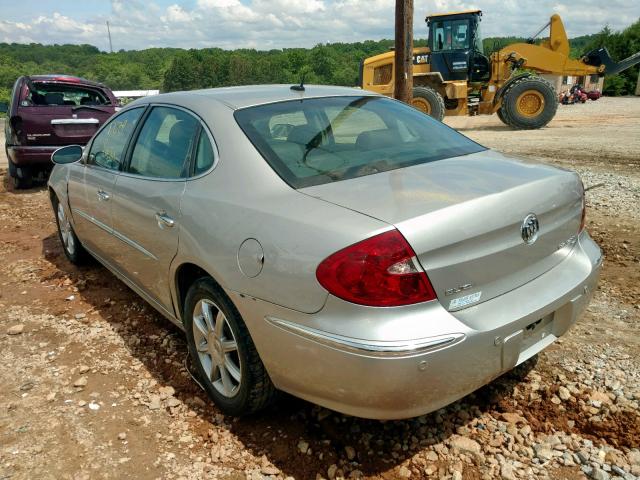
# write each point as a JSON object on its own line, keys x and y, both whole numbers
{"x": 91, "y": 183}
{"x": 146, "y": 208}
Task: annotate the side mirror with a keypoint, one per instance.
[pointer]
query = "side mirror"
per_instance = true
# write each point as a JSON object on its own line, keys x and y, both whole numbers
{"x": 68, "y": 154}
{"x": 4, "y": 107}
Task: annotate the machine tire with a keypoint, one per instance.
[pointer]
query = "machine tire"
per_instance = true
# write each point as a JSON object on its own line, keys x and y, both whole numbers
{"x": 428, "y": 101}
{"x": 254, "y": 390}
{"x": 500, "y": 114}
{"x": 529, "y": 103}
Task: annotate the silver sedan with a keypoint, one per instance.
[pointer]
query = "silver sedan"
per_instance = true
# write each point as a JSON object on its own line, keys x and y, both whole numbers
{"x": 329, "y": 242}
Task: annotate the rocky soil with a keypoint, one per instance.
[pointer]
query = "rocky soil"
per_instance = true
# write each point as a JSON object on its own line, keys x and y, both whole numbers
{"x": 94, "y": 383}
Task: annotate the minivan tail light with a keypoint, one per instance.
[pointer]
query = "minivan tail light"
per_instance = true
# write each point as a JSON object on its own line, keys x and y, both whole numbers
{"x": 380, "y": 271}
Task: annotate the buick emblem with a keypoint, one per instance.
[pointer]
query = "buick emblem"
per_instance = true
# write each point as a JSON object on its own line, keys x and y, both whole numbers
{"x": 529, "y": 229}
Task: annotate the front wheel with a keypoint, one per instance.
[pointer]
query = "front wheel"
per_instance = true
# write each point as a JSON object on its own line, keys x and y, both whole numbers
{"x": 529, "y": 103}
{"x": 72, "y": 247}
{"x": 226, "y": 360}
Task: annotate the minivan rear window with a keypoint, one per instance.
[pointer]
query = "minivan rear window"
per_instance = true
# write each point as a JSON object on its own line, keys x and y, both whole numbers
{"x": 56, "y": 94}
{"x": 322, "y": 140}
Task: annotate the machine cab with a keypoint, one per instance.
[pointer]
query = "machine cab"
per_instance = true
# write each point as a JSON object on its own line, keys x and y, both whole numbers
{"x": 456, "y": 46}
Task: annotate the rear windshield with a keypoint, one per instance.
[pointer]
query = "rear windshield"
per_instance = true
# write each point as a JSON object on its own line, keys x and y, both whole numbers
{"x": 56, "y": 94}
{"x": 322, "y": 140}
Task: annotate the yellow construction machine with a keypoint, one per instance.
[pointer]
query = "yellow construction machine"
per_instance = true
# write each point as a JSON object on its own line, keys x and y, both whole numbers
{"x": 453, "y": 76}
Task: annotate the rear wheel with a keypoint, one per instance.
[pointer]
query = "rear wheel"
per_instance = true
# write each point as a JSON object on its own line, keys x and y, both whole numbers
{"x": 500, "y": 114}
{"x": 529, "y": 103}
{"x": 21, "y": 176}
{"x": 226, "y": 360}
{"x": 428, "y": 101}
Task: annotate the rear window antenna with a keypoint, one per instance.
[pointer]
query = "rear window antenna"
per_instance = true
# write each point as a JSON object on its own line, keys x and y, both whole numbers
{"x": 299, "y": 88}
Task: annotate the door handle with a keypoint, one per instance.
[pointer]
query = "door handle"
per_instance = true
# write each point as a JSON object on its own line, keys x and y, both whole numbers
{"x": 103, "y": 196}
{"x": 164, "y": 220}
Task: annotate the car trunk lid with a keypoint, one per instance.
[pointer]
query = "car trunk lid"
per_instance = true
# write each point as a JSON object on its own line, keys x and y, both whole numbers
{"x": 463, "y": 217}
{"x": 60, "y": 124}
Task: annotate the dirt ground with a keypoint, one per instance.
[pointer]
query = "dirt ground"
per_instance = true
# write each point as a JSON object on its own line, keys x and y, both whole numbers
{"x": 94, "y": 384}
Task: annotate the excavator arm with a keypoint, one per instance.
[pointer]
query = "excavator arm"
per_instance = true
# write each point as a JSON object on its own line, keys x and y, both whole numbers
{"x": 552, "y": 57}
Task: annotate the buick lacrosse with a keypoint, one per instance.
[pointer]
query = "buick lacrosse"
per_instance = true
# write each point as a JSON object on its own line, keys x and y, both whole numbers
{"x": 330, "y": 243}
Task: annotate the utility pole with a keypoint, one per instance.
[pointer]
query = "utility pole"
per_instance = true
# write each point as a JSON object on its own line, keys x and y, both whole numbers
{"x": 404, "y": 51}
{"x": 109, "y": 33}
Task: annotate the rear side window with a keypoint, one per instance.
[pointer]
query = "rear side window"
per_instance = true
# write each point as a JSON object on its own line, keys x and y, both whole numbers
{"x": 164, "y": 144}
{"x": 107, "y": 149}
{"x": 55, "y": 94}
{"x": 204, "y": 154}
{"x": 347, "y": 137}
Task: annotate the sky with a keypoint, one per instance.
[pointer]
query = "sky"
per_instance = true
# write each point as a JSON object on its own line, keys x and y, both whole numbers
{"x": 266, "y": 24}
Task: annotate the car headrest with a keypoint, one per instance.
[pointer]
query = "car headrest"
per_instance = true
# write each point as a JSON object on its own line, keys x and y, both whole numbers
{"x": 54, "y": 98}
{"x": 179, "y": 134}
{"x": 301, "y": 134}
{"x": 375, "y": 139}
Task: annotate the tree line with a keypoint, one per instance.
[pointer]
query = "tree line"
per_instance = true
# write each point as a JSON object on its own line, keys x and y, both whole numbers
{"x": 170, "y": 69}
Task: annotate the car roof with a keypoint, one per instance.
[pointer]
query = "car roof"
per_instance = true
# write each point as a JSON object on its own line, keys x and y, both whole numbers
{"x": 250, "y": 95}
{"x": 60, "y": 78}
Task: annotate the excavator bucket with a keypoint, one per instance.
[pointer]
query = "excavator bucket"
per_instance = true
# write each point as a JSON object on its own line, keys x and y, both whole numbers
{"x": 601, "y": 57}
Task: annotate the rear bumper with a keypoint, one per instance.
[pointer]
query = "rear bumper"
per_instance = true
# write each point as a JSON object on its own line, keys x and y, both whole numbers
{"x": 23, "y": 156}
{"x": 391, "y": 363}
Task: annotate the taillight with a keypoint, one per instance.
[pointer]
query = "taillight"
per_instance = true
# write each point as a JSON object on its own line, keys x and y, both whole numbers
{"x": 379, "y": 271}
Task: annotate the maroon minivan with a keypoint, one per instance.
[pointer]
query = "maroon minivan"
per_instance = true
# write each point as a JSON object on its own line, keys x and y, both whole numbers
{"x": 46, "y": 112}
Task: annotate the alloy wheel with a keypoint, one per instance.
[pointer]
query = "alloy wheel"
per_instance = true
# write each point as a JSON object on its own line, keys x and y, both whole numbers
{"x": 66, "y": 231}
{"x": 217, "y": 348}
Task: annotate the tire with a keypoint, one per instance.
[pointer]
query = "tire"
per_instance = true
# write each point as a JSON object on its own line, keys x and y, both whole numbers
{"x": 500, "y": 114}
{"x": 428, "y": 101}
{"x": 72, "y": 247}
{"x": 242, "y": 386}
{"x": 529, "y": 103}
{"x": 21, "y": 176}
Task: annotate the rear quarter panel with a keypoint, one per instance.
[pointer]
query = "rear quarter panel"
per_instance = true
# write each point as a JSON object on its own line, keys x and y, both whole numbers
{"x": 243, "y": 198}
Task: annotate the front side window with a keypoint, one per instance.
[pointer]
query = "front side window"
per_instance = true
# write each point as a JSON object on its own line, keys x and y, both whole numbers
{"x": 107, "y": 149}
{"x": 348, "y": 137}
{"x": 164, "y": 145}
{"x": 450, "y": 35}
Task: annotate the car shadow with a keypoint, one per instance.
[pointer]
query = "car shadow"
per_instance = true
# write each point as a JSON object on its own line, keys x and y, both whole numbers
{"x": 7, "y": 184}
{"x": 279, "y": 433}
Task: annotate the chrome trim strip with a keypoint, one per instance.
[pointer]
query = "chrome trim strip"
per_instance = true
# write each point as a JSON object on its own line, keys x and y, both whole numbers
{"x": 86, "y": 216}
{"x": 403, "y": 348}
{"x": 115, "y": 233}
{"x": 75, "y": 121}
{"x": 133, "y": 244}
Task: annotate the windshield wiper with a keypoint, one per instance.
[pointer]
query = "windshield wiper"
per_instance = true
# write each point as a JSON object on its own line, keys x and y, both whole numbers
{"x": 90, "y": 107}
